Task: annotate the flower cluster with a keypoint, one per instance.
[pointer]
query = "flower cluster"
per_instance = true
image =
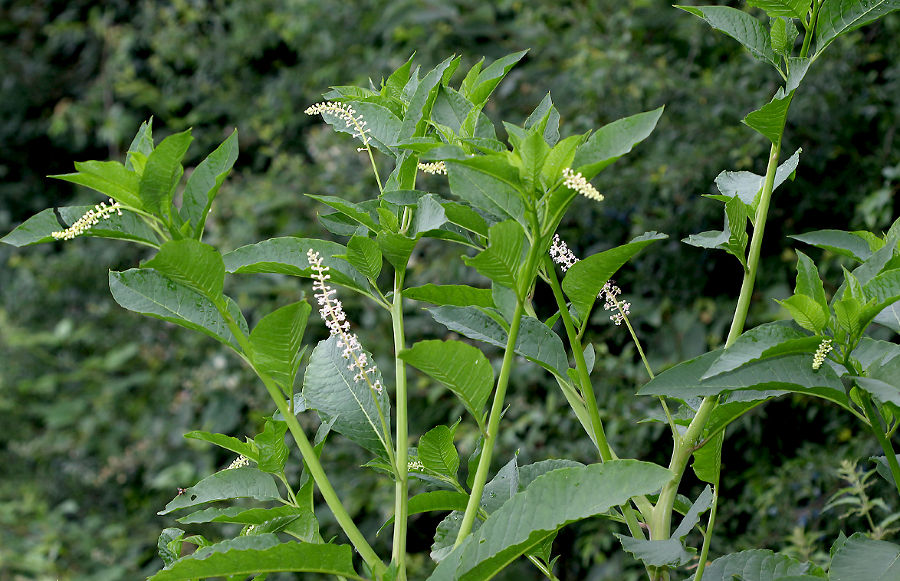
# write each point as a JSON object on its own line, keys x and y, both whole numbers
{"x": 821, "y": 352}
{"x": 332, "y": 313}
{"x": 609, "y": 292}
{"x": 438, "y": 167}
{"x": 344, "y": 112}
{"x": 561, "y": 254}
{"x": 576, "y": 181}
{"x": 239, "y": 462}
{"x": 415, "y": 465}
{"x": 100, "y": 212}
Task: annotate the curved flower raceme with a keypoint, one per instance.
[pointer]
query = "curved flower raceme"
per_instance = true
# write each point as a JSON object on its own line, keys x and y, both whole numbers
{"x": 565, "y": 258}
{"x": 92, "y": 217}
{"x": 575, "y": 181}
{"x": 345, "y": 113}
{"x": 332, "y": 313}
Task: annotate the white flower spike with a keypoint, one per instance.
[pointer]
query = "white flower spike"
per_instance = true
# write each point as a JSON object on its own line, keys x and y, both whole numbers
{"x": 575, "y": 181}
{"x": 100, "y": 212}
{"x": 344, "y": 112}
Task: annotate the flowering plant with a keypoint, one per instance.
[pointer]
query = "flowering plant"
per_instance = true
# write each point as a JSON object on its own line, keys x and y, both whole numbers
{"x": 503, "y": 203}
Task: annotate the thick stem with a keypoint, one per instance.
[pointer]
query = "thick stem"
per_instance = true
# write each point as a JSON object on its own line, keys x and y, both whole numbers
{"x": 401, "y": 506}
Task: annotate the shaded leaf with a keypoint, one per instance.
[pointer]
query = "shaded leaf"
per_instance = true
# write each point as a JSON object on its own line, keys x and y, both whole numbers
{"x": 163, "y": 172}
{"x": 451, "y": 294}
{"x": 204, "y": 183}
{"x": 39, "y": 228}
{"x": 837, "y": 18}
{"x": 612, "y": 141}
{"x": 740, "y": 26}
{"x": 224, "y": 485}
{"x": 192, "y": 263}
{"x": 755, "y": 565}
{"x": 863, "y": 558}
{"x": 844, "y": 243}
{"x": 437, "y": 452}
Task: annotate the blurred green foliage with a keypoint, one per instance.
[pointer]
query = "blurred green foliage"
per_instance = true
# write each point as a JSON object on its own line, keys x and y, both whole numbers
{"x": 94, "y": 400}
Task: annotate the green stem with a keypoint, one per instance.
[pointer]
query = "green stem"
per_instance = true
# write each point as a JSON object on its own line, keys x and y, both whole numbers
{"x": 401, "y": 487}
{"x": 704, "y": 552}
{"x": 875, "y": 420}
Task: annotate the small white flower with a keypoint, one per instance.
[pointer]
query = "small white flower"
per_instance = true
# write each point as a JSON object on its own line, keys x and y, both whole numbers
{"x": 414, "y": 465}
{"x": 561, "y": 254}
{"x": 821, "y": 352}
{"x": 332, "y": 313}
{"x": 100, "y": 212}
{"x": 239, "y": 462}
{"x": 609, "y": 292}
{"x": 344, "y": 112}
{"x": 438, "y": 168}
{"x": 575, "y": 181}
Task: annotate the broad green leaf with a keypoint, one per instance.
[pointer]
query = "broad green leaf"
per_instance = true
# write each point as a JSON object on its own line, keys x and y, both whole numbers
{"x": 781, "y": 42}
{"x": 141, "y": 147}
{"x": 798, "y": 66}
{"x": 262, "y": 556}
{"x": 227, "y": 442}
{"x": 736, "y": 211}
{"x": 396, "y": 248}
{"x": 465, "y": 217}
{"x": 382, "y": 125}
{"x": 532, "y": 152}
{"x": 331, "y": 388}
{"x": 430, "y": 214}
{"x": 277, "y": 342}
{"x": 39, "y": 228}
{"x": 224, "y": 485}
{"x": 501, "y": 260}
{"x": 707, "y": 463}
{"x": 806, "y": 312}
{"x": 612, "y": 141}
{"x": 536, "y": 342}
{"x": 748, "y": 185}
{"x": 462, "y": 368}
{"x": 838, "y": 241}
{"x": 864, "y": 558}
{"x": 808, "y": 281}
{"x": 273, "y": 452}
{"x": 487, "y": 192}
{"x": 422, "y": 99}
{"x": 150, "y": 293}
{"x": 490, "y": 76}
{"x": 755, "y": 565}
{"x": 458, "y": 295}
{"x": 740, "y": 26}
{"x": 169, "y": 545}
{"x": 162, "y": 173}
{"x": 767, "y": 340}
{"x": 287, "y": 255}
{"x": 769, "y": 119}
{"x": 788, "y": 8}
{"x": 243, "y": 515}
{"x": 885, "y": 288}
{"x": 766, "y": 378}
{"x": 837, "y": 18}
{"x": 586, "y": 278}
{"x": 438, "y": 500}
{"x": 550, "y": 502}
{"x": 547, "y": 115}
{"x": 437, "y": 451}
{"x": 349, "y": 209}
{"x": 450, "y": 109}
{"x": 192, "y": 263}
{"x": 204, "y": 183}
{"x": 110, "y": 178}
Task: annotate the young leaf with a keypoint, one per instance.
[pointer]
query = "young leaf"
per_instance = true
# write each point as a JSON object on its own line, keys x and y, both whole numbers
{"x": 486, "y": 191}
{"x": 141, "y": 147}
{"x": 785, "y": 8}
{"x": 261, "y": 554}
{"x": 382, "y": 125}
{"x": 863, "y": 558}
{"x": 364, "y": 255}
{"x": 396, "y": 248}
{"x": 707, "y": 463}
{"x": 349, "y": 209}
{"x": 422, "y": 99}
{"x": 437, "y": 451}
{"x": 277, "y": 341}
{"x": 204, "y": 183}
{"x": 465, "y": 217}
{"x": 162, "y": 173}
{"x": 808, "y": 281}
{"x": 39, "y": 228}
{"x": 150, "y": 293}
{"x": 224, "y": 485}
{"x": 586, "y": 278}
{"x": 740, "y": 26}
{"x": 110, "y": 178}
{"x": 331, "y": 389}
{"x": 552, "y": 501}
{"x": 462, "y": 368}
{"x": 490, "y": 76}
{"x": 843, "y": 243}
{"x": 458, "y": 295}
{"x": 273, "y": 452}
{"x": 807, "y": 312}
{"x": 227, "y": 442}
{"x": 759, "y": 565}
{"x": 194, "y": 264}
{"x": 769, "y": 119}
{"x": 612, "y": 141}
{"x": 547, "y": 117}
{"x": 430, "y": 214}
{"x": 500, "y": 261}
{"x": 837, "y": 18}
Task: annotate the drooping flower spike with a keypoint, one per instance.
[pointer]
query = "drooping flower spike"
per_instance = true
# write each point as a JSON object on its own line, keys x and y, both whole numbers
{"x": 436, "y": 168}
{"x": 344, "y": 112}
{"x": 91, "y": 218}
{"x": 575, "y": 181}
{"x": 332, "y": 313}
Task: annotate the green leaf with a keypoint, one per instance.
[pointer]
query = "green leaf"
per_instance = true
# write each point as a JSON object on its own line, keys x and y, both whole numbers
{"x": 545, "y": 115}
{"x": 462, "y": 368}
{"x": 769, "y": 119}
{"x": 330, "y": 388}
{"x": 755, "y": 565}
{"x": 39, "y": 228}
{"x": 242, "y": 515}
{"x": 224, "y": 485}
{"x": 550, "y": 502}
{"x": 382, "y": 125}
{"x": 204, "y": 183}
{"x": 864, "y": 558}
{"x": 277, "y": 340}
{"x": 586, "y": 278}
{"x": 778, "y": 32}
{"x": 787, "y": 8}
{"x": 885, "y": 289}
{"x": 430, "y": 214}
{"x": 748, "y": 185}
{"x": 194, "y": 264}
{"x": 437, "y": 451}
{"x": 150, "y": 293}
{"x": 736, "y": 245}
{"x": 838, "y": 241}
{"x": 262, "y": 557}
{"x": 273, "y": 452}
{"x": 807, "y": 312}
{"x": 536, "y": 342}
{"x": 767, "y": 340}
{"x": 142, "y": 145}
{"x": 612, "y": 141}
{"x": 458, "y": 295}
{"x": 838, "y": 18}
{"x": 465, "y": 217}
{"x": 740, "y": 26}
{"x": 110, "y": 178}
{"x": 227, "y": 442}
{"x": 162, "y": 173}
{"x": 707, "y": 463}
{"x": 500, "y": 261}
{"x": 169, "y": 545}
{"x": 422, "y": 100}
{"x": 287, "y": 255}
{"x": 490, "y": 76}
{"x": 349, "y": 209}
{"x": 808, "y": 281}
{"x": 450, "y": 109}
{"x": 766, "y": 378}
{"x": 396, "y": 248}
{"x": 487, "y": 192}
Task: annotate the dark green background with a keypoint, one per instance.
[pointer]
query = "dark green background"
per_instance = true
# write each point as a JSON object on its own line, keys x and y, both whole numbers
{"x": 94, "y": 400}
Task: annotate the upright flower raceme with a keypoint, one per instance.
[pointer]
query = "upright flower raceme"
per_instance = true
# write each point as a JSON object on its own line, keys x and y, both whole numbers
{"x": 438, "y": 168}
{"x": 345, "y": 113}
{"x": 821, "y": 352}
{"x": 332, "y": 313}
{"x": 565, "y": 258}
{"x": 101, "y": 211}
{"x": 575, "y": 181}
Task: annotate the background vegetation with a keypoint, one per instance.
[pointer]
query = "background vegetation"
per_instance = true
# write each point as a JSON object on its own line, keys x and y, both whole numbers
{"x": 94, "y": 400}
